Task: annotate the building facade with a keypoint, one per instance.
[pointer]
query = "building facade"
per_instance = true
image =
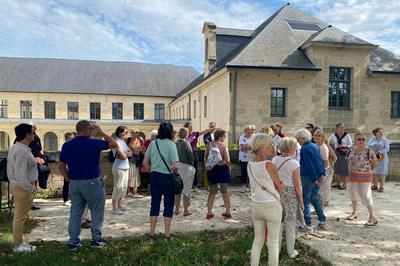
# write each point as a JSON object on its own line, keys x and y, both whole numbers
{"x": 294, "y": 69}
{"x": 55, "y": 94}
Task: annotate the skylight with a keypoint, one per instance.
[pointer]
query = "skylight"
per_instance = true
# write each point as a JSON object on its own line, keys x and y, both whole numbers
{"x": 299, "y": 25}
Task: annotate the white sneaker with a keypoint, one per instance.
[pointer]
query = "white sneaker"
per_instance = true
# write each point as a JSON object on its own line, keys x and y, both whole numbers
{"x": 117, "y": 212}
{"x": 67, "y": 203}
{"x": 24, "y": 247}
{"x": 294, "y": 254}
{"x": 137, "y": 196}
{"x": 123, "y": 209}
{"x": 322, "y": 225}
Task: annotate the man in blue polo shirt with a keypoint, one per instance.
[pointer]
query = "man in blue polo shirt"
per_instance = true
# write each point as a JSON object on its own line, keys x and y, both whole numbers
{"x": 79, "y": 164}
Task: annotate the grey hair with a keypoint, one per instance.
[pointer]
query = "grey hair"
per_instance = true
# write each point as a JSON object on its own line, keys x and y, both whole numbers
{"x": 247, "y": 127}
{"x": 260, "y": 140}
{"x": 303, "y": 134}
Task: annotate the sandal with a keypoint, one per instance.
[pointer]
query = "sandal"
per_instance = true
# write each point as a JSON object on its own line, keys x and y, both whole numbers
{"x": 342, "y": 187}
{"x": 151, "y": 237}
{"x": 372, "y": 222}
{"x": 187, "y": 214}
{"x": 227, "y": 215}
{"x": 167, "y": 238}
{"x": 373, "y": 187}
{"x": 352, "y": 217}
{"x": 210, "y": 216}
{"x": 380, "y": 190}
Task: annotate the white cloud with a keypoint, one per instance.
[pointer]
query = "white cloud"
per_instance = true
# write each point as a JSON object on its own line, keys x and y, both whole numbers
{"x": 372, "y": 20}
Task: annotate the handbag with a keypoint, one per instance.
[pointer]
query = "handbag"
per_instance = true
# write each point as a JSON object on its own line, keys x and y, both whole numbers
{"x": 379, "y": 155}
{"x": 177, "y": 182}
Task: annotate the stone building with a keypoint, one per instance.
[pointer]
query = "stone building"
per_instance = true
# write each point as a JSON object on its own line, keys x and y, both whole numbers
{"x": 294, "y": 69}
{"x": 55, "y": 93}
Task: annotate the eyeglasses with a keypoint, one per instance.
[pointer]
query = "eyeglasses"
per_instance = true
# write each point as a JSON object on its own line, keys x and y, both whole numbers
{"x": 361, "y": 139}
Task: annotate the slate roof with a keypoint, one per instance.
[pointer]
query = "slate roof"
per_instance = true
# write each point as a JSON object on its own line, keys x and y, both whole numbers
{"x": 95, "y": 77}
{"x": 384, "y": 61}
{"x": 331, "y": 34}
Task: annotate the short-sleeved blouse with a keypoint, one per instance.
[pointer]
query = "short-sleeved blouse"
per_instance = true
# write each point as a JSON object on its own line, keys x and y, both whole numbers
{"x": 360, "y": 164}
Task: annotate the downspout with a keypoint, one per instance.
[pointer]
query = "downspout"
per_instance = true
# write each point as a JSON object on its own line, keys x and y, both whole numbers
{"x": 233, "y": 89}
{"x": 190, "y": 108}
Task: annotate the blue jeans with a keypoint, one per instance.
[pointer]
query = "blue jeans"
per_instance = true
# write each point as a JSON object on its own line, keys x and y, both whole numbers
{"x": 311, "y": 195}
{"x": 84, "y": 192}
{"x": 161, "y": 185}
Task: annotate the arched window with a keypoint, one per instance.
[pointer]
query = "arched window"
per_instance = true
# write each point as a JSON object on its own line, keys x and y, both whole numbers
{"x": 4, "y": 141}
{"x": 50, "y": 141}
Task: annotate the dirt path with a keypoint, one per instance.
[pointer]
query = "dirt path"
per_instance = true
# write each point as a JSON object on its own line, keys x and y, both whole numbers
{"x": 343, "y": 242}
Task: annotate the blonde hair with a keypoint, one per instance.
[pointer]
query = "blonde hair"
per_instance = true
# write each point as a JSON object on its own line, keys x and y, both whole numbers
{"x": 267, "y": 130}
{"x": 247, "y": 127}
{"x": 359, "y": 134}
{"x": 260, "y": 140}
{"x": 322, "y": 134}
{"x": 288, "y": 145}
{"x": 183, "y": 133}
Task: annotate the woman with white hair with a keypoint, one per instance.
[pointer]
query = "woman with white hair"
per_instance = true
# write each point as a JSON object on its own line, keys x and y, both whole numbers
{"x": 244, "y": 152}
{"x": 362, "y": 160}
{"x": 266, "y": 206}
{"x": 312, "y": 171}
{"x": 292, "y": 194}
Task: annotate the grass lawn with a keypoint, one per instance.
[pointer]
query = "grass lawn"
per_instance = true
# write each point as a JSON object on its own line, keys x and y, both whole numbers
{"x": 229, "y": 247}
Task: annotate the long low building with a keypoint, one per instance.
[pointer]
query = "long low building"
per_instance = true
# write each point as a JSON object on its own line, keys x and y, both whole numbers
{"x": 292, "y": 69}
{"x": 55, "y": 93}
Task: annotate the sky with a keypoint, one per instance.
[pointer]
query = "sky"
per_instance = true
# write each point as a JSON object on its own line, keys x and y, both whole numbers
{"x": 167, "y": 31}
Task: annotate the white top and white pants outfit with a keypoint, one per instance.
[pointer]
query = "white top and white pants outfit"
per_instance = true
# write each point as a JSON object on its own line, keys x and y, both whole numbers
{"x": 120, "y": 171}
{"x": 266, "y": 210}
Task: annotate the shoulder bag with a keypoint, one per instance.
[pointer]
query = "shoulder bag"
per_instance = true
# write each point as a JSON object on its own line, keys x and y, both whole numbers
{"x": 177, "y": 182}
{"x": 263, "y": 187}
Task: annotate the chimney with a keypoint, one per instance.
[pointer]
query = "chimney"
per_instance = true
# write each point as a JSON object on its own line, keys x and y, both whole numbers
{"x": 210, "y": 47}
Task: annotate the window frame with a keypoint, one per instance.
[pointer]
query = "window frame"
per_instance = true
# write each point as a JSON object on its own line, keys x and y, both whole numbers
{"x": 194, "y": 109}
{"x": 3, "y": 108}
{"x": 26, "y": 109}
{"x": 95, "y": 115}
{"x": 135, "y": 117}
{"x": 273, "y": 99}
{"x": 394, "y": 94}
{"x": 116, "y": 115}
{"x": 347, "y": 96}
{"x": 71, "y": 113}
{"x": 159, "y": 111}
{"x": 48, "y": 113}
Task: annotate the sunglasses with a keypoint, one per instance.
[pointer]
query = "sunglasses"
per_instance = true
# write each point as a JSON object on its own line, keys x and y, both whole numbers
{"x": 361, "y": 139}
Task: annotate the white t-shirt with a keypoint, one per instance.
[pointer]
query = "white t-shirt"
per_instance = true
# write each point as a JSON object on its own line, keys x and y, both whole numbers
{"x": 345, "y": 141}
{"x": 286, "y": 171}
{"x": 244, "y": 156}
{"x": 118, "y": 163}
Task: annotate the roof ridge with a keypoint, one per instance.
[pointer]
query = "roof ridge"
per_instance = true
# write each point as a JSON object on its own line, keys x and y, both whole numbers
{"x": 255, "y": 33}
{"x": 90, "y": 60}
{"x": 312, "y": 36}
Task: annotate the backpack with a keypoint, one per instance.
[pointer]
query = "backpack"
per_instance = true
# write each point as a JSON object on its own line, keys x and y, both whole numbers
{"x": 111, "y": 156}
{"x": 214, "y": 157}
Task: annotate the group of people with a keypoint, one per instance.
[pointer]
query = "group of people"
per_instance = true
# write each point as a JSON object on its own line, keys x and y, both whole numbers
{"x": 283, "y": 176}
{"x": 288, "y": 174}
